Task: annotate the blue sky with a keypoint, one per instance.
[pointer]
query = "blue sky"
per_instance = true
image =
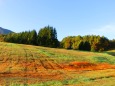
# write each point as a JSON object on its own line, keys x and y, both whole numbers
{"x": 69, "y": 17}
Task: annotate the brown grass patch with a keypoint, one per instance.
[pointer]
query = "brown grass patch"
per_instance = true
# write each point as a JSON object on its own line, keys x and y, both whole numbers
{"x": 41, "y": 68}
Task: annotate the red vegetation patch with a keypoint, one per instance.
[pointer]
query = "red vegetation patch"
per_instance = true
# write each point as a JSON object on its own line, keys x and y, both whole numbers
{"x": 88, "y": 66}
{"x": 82, "y": 64}
{"x": 41, "y": 68}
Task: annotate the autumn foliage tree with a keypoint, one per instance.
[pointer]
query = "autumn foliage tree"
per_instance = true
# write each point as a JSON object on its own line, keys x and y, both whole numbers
{"x": 67, "y": 42}
{"x": 88, "y": 43}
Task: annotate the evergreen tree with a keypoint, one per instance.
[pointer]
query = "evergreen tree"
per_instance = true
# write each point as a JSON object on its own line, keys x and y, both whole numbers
{"x": 47, "y": 36}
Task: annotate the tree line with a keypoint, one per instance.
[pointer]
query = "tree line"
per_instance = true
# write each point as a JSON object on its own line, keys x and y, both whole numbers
{"x": 88, "y": 43}
{"x": 47, "y": 36}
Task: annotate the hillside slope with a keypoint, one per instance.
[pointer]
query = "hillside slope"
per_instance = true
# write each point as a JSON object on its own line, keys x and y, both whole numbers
{"x": 35, "y": 65}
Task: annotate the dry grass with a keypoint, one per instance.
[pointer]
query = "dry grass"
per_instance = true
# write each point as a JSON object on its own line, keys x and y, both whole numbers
{"x": 38, "y": 66}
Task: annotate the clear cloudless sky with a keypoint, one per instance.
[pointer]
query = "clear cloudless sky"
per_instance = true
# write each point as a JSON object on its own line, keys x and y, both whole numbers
{"x": 69, "y": 17}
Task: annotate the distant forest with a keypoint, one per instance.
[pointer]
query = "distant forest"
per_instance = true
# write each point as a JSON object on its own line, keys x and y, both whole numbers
{"x": 47, "y": 37}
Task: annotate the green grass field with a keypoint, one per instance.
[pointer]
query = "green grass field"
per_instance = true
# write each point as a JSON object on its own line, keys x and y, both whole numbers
{"x": 48, "y": 61}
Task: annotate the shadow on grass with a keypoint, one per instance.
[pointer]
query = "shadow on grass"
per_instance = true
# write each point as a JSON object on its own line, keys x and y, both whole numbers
{"x": 111, "y": 53}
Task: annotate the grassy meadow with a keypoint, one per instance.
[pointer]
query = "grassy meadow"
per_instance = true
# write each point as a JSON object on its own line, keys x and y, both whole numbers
{"x": 27, "y": 65}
